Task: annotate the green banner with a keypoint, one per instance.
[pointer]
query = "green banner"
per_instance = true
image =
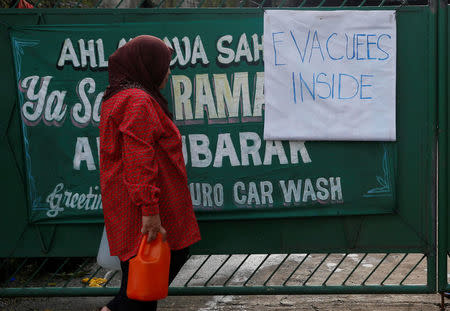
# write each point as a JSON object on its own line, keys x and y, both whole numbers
{"x": 217, "y": 95}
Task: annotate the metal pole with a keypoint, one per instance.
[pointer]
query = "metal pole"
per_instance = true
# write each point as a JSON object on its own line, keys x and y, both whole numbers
{"x": 442, "y": 73}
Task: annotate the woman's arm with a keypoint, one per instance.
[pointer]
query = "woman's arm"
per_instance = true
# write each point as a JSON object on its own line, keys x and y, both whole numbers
{"x": 141, "y": 130}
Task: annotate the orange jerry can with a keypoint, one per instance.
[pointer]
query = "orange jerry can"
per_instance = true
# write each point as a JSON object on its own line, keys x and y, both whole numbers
{"x": 148, "y": 274}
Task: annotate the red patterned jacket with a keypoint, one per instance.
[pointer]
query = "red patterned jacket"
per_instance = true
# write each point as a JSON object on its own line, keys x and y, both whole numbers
{"x": 142, "y": 173}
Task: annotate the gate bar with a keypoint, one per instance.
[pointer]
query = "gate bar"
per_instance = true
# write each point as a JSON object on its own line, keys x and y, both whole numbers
{"x": 442, "y": 72}
{"x": 223, "y": 290}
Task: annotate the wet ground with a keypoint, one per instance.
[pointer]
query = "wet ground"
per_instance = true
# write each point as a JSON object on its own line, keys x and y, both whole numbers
{"x": 275, "y": 270}
{"x": 249, "y": 303}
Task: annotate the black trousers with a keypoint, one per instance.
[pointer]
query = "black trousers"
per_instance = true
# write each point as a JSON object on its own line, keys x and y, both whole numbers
{"x": 122, "y": 303}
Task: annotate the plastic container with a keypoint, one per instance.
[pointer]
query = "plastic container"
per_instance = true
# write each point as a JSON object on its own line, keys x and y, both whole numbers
{"x": 148, "y": 274}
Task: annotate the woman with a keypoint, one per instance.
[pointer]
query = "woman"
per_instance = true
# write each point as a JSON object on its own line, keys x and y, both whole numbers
{"x": 142, "y": 173}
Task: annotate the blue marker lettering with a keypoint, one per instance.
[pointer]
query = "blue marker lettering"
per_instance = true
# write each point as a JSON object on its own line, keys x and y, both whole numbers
{"x": 293, "y": 88}
{"x": 328, "y": 50}
{"x": 378, "y": 46}
{"x": 332, "y": 87}
{"x": 312, "y": 93}
{"x": 340, "y": 85}
{"x": 298, "y": 49}
{"x": 316, "y": 38}
{"x": 364, "y": 85}
{"x": 274, "y": 48}
{"x": 368, "y": 46}
{"x": 358, "y": 44}
{"x": 323, "y": 82}
{"x": 346, "y": 47}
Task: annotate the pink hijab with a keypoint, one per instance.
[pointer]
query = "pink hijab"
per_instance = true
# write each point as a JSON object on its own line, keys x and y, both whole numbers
{"x": 141, "y": 63}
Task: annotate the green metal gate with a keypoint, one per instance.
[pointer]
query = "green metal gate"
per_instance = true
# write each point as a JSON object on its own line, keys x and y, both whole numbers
{"x": 444, "y": 221}
{"x": 388, "y": 252}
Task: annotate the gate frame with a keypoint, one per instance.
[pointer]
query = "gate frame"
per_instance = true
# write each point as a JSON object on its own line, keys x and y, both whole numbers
{"x": 431, "y": 256}
{"x": 443, "y": 144}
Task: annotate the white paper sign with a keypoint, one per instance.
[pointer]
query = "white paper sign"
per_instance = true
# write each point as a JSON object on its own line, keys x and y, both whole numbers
{"x": 329, "y": 75}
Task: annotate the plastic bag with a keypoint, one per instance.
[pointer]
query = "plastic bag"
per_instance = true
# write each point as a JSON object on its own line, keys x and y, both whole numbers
{"x": 104, "y": 258}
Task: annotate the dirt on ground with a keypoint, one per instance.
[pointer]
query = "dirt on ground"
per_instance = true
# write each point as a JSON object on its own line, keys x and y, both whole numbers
{"x": 249, "y": 303}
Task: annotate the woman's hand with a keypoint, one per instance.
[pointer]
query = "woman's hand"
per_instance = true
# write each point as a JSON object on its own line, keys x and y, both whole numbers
{"x": 152, "y": 225}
